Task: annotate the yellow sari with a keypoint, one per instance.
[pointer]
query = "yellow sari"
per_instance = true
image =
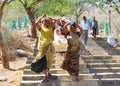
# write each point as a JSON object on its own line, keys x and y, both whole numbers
{"x": 46, "y": 46}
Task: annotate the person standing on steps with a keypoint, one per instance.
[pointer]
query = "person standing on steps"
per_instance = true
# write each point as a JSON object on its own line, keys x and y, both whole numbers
{"x": 94, "y": 27}
{"x": 84, "y": 24}
{"x": 44, "y": 58}
{"x": 71, "y": 59}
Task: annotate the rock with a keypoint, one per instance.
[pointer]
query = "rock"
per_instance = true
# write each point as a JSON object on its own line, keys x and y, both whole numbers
{"x": 111, "y": 40}
{"x": 20, "y": 53}
{"x": 3, "y": 79}
{"x": 29, "y": 36}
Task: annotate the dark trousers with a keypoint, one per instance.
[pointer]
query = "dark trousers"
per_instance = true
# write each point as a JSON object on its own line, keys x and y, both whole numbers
{"x": 94, "y": 32}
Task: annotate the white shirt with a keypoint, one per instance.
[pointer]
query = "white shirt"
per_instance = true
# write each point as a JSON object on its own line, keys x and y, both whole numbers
{"x": 85, "y": 26}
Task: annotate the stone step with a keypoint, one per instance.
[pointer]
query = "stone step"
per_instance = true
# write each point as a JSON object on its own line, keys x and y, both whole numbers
{"x": 92, "y": 65}
{"x": 86, "y": 82}
{"x": 85, "y": 60}
{"x": 107, "y": 47}
{"x": 82, "y": 70}
{"x": 94, "y": 48}
{"x": 99, "y": 61}
{"x": 28, "y": 61}
{"x": 87, "y": 65}
{"x": 104, "y": 69}
{"x": 103, "y": 59}
{"x": 96, "y": 57}
{"x": 84, "y": 53}
{"x": 99, "y": 56}
{"x": 57, "y": 70}
{"x": 55, "y": 65}
{"x": 60, "y": 76}
{"x": 68, "y": 77}
{"x": 112, "y": 50}
{"x": 104, "y": 44}
{"x": 114, "y": 53}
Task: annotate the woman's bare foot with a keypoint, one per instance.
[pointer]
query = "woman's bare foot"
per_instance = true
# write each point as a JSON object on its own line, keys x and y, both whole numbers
{"x": 46, "y": 79}
{"x": 75, "y": 78}
{"x": 52, "y": 77}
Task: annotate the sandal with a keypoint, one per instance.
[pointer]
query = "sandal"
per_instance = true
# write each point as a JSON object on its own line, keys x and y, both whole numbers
{"x": 51, "y": 77}
{"x": 45, "y": 80}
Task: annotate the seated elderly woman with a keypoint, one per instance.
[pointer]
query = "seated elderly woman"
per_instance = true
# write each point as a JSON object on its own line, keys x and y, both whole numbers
{"x": 59, "y": 40}
{"x": 58, "y": 37}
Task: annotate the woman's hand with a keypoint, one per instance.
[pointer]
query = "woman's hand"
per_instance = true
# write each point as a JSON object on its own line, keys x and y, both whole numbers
{"x": 44, "y": 15}
{"x": 81, "y": 30}
{"x": 65, "y": 28}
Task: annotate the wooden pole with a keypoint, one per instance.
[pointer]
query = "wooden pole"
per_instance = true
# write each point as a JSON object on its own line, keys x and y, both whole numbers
{"x": 110, "y": 21}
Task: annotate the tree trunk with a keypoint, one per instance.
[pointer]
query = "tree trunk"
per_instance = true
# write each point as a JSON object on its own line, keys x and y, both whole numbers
{"x": 5, "y": 59}
{"x": 4, "y": 53}
{"x": 32, "y": 19}
{"x": 77, "y": 19}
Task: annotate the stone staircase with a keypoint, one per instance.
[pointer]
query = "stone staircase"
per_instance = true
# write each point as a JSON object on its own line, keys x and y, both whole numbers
{"x": 95, "y": 70}
{"x": 102, "y": 42}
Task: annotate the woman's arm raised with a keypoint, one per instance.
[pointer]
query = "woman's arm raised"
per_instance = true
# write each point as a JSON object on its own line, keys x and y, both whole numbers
{"x": 38, "y": 22}
{"x": 65, "y": 29}
{"x": 81, "y": 30}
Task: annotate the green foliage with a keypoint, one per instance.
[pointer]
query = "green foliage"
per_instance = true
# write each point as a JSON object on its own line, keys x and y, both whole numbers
{"x": 13, "y": 10}
{"x": 57, "y": 7}
{"x": 30, "y": 3}
{"x": 13, "y": 5}
{"x": 53, "y": 7}
{"x": 106, "y": 4}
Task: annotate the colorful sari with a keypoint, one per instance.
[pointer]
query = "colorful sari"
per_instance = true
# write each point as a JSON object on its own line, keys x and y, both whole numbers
{"x": 71, "y": 59}
{"x": 46, "y": 48}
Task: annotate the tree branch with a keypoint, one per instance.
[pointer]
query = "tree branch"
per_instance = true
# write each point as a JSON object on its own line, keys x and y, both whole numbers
{"x": 35, "y": 2}
{"x": 2, "y": 5}
{"x": 24, "y": 4}
{"x": 10, "y": 1}
{"x": 21, "y": 1}
{"x": 117, "y": 10}
{"x": 81, "y": 9}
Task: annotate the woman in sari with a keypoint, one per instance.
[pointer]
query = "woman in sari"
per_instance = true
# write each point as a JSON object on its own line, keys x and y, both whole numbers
{"x": 44, "y": 58}
{"x": 71, "y": 59}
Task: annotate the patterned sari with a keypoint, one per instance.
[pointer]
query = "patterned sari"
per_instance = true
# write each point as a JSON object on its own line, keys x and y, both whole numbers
{"x": 71, "y": 59}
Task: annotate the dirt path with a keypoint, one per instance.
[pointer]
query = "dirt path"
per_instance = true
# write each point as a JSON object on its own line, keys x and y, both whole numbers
{"x": 12, "y": 77}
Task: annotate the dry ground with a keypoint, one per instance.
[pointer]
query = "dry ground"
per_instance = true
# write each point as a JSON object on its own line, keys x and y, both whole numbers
{"x": 18, "y": 39}
{"x": 12, "y": 77}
